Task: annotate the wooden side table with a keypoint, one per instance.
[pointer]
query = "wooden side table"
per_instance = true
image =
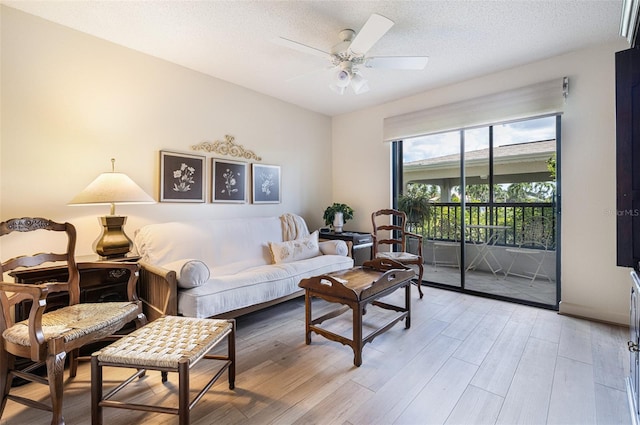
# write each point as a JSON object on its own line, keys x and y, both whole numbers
{"x": 96, "y": 285}
{"x": 361, "y": 244}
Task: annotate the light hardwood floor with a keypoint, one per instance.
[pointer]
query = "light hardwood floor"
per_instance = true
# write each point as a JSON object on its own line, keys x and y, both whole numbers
{"x": 465, "y": 360}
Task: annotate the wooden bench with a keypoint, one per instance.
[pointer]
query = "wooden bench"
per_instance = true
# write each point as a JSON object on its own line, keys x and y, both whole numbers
{"x": 169, "y": 344}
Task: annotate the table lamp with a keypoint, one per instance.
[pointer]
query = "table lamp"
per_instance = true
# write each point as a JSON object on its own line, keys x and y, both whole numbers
{"x": 110, "y": 189}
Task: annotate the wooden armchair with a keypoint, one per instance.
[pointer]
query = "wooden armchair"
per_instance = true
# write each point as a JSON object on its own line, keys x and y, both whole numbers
{"x": 47, "y": 336}
{"x": 389, "y": 229}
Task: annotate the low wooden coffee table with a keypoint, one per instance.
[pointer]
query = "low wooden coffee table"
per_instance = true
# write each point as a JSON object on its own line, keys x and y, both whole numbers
{"x": 355, "y": 288}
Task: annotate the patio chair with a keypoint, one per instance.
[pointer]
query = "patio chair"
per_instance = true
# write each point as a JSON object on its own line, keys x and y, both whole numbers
{"x": 445, "y": 250}
{"x": 46, "y": 337}
{"x": 536, "y": 238}
{"x": 389, "y": 230}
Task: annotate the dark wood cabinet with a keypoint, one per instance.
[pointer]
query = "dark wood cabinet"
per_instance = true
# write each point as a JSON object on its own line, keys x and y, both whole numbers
{"x": 359, "y": 243}
{"x": 96, "y": 285}
{"x": 628, "y": 157}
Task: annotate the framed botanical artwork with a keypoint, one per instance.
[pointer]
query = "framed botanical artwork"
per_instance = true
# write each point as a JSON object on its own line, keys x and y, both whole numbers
{"x": 182, "y": 177}
{"x": 228, "y": 181}
{"x": 265, "y": 183}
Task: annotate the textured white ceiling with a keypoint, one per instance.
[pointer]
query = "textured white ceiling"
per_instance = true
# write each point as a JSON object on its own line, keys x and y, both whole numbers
{"x": 231, "y": 40}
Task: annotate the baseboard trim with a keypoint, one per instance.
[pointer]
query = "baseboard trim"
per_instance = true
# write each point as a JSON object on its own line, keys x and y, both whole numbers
{"x": 584, "y": 312}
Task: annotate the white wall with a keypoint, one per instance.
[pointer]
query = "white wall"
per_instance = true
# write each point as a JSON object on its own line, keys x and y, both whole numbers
{"x": 592, "y": 285}
{"x": 70, "y": 102}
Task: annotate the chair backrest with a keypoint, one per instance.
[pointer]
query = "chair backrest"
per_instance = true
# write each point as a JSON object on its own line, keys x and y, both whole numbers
{"x": 389, "y": 229}
{"x": 537, "y": 232}
{"x": 28, "y": 224}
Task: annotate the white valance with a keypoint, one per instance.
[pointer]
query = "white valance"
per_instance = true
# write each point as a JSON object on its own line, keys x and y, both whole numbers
{"x": 539, "y": 99}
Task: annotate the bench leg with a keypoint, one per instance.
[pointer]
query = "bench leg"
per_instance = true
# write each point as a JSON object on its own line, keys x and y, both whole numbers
{"x": 96, "y": 391}
{"x": 183, "y": 392}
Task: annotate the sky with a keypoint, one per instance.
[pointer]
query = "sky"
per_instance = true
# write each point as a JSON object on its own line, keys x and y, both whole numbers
{"x": 442, "y": 144}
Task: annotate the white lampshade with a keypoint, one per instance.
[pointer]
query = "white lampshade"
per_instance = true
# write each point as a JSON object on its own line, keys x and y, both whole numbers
{"x": 110, "y": 189}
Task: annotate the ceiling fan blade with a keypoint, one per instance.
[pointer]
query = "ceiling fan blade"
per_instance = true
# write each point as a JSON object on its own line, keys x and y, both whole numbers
{"x": 397, "y": 62}
{"x": 301, "y": 47}
{"x": 375, "y": 27}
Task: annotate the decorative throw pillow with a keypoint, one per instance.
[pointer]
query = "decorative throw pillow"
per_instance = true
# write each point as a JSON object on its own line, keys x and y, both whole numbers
{"x": 297, "y": 249}
{"x": 334, "y": 247}
{"x": 189, "y": 273}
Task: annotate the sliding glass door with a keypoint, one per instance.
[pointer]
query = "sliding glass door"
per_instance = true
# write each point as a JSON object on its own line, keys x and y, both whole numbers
{"x": 484, "y": 200}
{"x": 433, "y": 205}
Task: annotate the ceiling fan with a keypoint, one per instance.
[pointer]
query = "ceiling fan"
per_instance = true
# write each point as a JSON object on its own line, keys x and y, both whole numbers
{"x": 348, "y": 55}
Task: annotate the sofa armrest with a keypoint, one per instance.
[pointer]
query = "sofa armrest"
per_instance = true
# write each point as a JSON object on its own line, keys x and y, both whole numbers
{"x": 158, "y": 291}
{"x": 335, "y": 247}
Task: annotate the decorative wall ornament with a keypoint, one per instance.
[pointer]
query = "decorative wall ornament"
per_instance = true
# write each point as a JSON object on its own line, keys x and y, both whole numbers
{"x": 228, "y": 148}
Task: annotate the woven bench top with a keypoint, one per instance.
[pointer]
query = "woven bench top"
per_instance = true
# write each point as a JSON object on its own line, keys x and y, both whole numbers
{"x": 165, "y": 341}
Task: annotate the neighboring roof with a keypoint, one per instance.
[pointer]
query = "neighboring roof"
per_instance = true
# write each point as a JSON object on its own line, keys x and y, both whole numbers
{"x": 519, "y": 150}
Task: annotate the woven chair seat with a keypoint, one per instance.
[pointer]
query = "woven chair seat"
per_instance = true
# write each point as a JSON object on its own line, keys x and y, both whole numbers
{"x": 397, "y": 256}
{"x": 74, "y": 321}
{"x": 165, "y": 341}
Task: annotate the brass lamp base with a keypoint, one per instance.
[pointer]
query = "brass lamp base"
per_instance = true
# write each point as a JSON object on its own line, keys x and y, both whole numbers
{"x": 113, "y": 242}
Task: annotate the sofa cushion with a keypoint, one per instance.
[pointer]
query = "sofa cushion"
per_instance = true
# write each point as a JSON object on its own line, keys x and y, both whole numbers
{"x": 295, "y": 250}
{"x": 255, "y": 285}
{"x": 189, "y": 273}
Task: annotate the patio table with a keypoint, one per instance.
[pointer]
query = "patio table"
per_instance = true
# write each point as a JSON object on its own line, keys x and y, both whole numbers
{"x": 484, "y": 246}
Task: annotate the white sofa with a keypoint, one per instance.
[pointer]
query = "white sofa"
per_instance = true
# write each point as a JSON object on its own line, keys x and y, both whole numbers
{"x": 228, "y": 267}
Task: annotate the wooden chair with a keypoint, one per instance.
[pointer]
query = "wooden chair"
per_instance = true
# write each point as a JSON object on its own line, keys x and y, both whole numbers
{"x": 389, "y": 229}
{"x": 46, "y": 337}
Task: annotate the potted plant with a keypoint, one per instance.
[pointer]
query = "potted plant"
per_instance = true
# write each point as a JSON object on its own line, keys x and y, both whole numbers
{"x": 336, "y": 215}
{"x": 415, "y": 203}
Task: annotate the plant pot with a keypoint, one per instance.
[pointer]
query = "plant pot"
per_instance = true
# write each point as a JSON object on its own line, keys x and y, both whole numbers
{"x": 338, "y": 222}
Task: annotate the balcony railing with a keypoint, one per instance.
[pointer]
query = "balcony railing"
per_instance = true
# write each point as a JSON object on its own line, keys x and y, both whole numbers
{"x": 444, "y": 221}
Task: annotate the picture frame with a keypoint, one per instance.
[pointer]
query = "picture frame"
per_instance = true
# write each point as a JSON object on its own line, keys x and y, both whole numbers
{"x": 182, "y": 177}
{"x": 228, "y": 181}
{"x": 265, "y": 184}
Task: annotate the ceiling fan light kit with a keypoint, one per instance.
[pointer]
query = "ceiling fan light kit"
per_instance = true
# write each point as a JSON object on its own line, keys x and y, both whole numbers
{"x": 351, "y": 52}
{"x": 343, "y": 76}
